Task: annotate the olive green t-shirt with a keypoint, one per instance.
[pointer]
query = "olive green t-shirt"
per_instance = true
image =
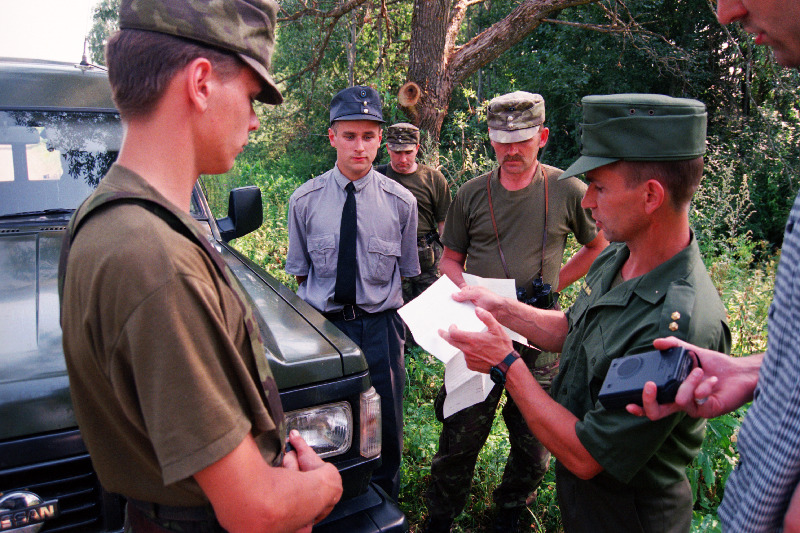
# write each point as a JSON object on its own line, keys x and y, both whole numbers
{"x": 162, "y": 373}
{"x": 520, "y": 217}
{"x": 430, "y": 188}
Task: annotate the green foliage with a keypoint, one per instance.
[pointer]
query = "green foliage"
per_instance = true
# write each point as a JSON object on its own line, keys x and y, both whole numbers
{"x": 105, "y": 21}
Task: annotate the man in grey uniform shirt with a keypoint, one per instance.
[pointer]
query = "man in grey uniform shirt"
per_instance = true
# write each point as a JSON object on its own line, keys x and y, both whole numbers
{"x": 352, "y": 237}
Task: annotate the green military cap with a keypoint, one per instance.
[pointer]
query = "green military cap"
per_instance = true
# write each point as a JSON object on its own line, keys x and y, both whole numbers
{"x": 244, "y": 27}
{"x": 639, "y": 127}
{"x": 402, "y": 136}
{"x": 515, "y": 117}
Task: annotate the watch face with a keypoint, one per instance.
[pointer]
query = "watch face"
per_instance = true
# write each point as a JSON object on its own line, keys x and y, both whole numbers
{"x": 497, "y": 375}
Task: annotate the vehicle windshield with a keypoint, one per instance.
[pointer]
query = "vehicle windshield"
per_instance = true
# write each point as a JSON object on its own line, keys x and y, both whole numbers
{"x": 50, "y": 161}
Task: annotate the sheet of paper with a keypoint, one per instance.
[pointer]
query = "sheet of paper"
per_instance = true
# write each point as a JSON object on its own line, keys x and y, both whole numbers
{"x": 502, "y": 287}
{"x": 473, "y": 391}
{"x": 435, "y": 309}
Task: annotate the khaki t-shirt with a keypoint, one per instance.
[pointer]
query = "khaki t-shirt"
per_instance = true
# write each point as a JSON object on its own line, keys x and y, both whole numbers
{"x": 430, "y": 188}
{"x": 520, "y": 219}
{"x": 162, "y": 374}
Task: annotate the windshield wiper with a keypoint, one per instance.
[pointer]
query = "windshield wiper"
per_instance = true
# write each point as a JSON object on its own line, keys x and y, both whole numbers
{"x": 58, "y": 211}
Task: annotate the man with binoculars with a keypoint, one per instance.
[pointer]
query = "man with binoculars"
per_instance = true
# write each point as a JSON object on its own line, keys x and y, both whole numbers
{"x": 512, "y": 222}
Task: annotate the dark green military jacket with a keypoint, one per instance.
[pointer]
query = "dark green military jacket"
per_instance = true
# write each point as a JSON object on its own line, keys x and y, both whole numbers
{"x": 676, "y": 298}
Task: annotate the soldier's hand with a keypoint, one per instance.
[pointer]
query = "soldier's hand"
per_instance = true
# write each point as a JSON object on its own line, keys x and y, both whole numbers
{"x": 480, "y": 296}
{"x": 484, "y": 349}
{"x": 330, "y": 482}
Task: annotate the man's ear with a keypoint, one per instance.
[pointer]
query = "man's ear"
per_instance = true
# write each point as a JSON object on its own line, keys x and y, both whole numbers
{"x": 655, "y": 195}
{"x": 331, "y": 135}
{"x": 199, "y": 81}
{"x": 545, "y": 134}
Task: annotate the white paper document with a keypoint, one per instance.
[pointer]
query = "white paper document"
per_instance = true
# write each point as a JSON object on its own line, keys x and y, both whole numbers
{"x": 435, "y": 309}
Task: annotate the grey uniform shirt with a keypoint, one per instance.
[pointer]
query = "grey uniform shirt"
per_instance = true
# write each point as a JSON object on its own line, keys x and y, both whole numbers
{"x": 386, "y": 247}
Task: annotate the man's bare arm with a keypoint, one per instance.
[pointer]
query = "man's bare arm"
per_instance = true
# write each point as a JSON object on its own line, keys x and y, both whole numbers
{"x": 249, "y": 495}
{"x": 452, "y": 265}
{"x": 578, "y": 265}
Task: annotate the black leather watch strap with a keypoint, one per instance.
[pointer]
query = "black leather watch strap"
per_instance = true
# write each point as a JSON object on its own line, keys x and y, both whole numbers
{"x": 499, "y": 371}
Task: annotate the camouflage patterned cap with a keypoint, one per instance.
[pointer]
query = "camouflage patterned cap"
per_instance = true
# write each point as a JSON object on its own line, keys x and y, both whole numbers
{"x": 639, "y": 127}
{"x": 402, "y": 136}
{"x": 515, "y": 117}
{"x": 244, "y": 27}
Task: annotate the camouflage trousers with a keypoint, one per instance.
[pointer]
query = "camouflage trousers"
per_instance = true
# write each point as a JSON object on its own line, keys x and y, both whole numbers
{"x": 464, "y": 434}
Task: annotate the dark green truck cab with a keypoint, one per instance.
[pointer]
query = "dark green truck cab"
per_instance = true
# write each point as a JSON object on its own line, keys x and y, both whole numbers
{"x": 59, "y": 133}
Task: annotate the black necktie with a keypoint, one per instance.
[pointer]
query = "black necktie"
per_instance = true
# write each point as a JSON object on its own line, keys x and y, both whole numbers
{"x": 345, "y": 290}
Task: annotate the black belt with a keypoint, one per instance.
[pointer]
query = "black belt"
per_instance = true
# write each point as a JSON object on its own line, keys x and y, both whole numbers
{"x": 200, "y": 513}
{"x": 348, "y": 313}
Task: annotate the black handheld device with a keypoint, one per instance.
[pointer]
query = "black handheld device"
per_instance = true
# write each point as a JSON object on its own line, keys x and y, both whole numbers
{"x": 627, "y": 375}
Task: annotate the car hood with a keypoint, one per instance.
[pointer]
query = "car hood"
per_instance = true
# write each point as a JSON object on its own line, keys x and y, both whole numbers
{"x": 302, "y": 346}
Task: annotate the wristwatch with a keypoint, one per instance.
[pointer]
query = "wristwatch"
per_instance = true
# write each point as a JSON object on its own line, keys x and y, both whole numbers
{"x": 498, "y": 372}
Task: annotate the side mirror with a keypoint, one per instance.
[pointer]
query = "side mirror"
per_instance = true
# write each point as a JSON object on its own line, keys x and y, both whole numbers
{"x": 245, "y": 213}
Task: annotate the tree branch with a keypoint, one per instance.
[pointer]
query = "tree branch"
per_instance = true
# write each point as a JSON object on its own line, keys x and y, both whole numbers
{"x": 501, "y": 36}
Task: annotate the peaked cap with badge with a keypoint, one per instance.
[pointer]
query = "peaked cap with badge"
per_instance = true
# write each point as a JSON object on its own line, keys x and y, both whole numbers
{"x": 639, "y": 127}
{"x": 243, "y": 27}
{"x": 356, "y": 103}
{"x": 515, "y": 117}
{"x": 402, "y": 136}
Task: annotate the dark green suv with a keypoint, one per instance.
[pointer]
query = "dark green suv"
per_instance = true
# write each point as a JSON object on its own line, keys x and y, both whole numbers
{"x": 59, "y": 133}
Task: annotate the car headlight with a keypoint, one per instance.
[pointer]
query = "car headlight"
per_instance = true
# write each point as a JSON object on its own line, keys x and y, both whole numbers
{"x": 328, "y": 429}
{"x": 370, "y": 423}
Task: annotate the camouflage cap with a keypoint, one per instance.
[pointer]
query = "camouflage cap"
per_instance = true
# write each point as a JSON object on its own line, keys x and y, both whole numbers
{"x": 639, "y": 127}
{"x": 515, "y": 117}
{"x": 244, "y": 27}
{"x": 402, "y": 136}
{"x": 356, "y": 103}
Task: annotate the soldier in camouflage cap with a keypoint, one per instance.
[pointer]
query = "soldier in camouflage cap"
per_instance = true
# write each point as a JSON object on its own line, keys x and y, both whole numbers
{"x": 168, "y": 374}
{"x": 510, "y": 223}
{"x": 430, "y": 188}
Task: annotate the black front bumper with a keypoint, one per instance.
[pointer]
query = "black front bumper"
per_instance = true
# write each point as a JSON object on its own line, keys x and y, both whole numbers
{"x": 370, "y": 512}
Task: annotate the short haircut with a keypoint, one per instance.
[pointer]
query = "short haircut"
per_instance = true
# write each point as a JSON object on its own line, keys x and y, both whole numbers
{"x": 680, "y": 178}
{"x": 141, "y": 65}
{"x": 335, "y": 124}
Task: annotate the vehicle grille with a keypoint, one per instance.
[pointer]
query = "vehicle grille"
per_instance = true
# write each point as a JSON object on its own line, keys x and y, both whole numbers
{"x": 73, "y": 483}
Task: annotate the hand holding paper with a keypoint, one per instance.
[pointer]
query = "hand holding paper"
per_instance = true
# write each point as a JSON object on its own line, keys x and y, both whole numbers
{"x": 435, "y": 310}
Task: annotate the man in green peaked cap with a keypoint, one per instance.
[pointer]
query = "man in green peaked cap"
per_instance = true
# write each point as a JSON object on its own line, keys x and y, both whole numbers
{"x": 430, "y": 188}
{"x": 642, "y": 157}
{"x": 510, "y": 223}
{"x": 761, "y": 494}
{"x": 171, "y": 387}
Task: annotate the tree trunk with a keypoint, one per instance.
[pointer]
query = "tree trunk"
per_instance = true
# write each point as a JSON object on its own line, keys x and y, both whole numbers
{"x": 437, "y": 64}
